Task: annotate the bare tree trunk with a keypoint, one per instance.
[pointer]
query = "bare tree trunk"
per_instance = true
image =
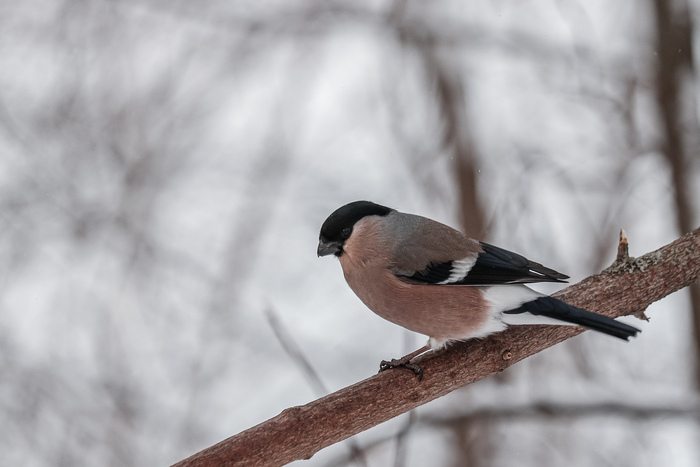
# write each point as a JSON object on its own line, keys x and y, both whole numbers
{"x": 448, "y": 86}
{"x": 627, "y": 287}
{"x": 673, "y": 67}
{"x": 456, "y": 140}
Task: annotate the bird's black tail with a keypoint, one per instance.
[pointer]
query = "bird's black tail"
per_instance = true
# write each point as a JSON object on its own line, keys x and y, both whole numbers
{"x": 556, "y": 309}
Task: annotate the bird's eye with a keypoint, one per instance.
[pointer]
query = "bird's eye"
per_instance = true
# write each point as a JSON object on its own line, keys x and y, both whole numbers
{"x": 345, "y": 233}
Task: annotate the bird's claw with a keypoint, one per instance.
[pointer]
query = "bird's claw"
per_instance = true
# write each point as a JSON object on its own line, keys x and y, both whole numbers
{"x": 399, "y": 363}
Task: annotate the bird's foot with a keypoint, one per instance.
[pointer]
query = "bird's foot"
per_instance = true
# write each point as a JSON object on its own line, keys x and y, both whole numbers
{"x": 405, "y": 362}
{"x": 401, "y": 363}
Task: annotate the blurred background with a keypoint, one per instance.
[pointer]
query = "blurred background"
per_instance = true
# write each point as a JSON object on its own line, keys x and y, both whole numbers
{"x": 165, "y": 167}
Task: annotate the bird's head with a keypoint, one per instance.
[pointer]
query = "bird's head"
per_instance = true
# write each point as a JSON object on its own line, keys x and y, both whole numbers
{"x": 338, "y": 227}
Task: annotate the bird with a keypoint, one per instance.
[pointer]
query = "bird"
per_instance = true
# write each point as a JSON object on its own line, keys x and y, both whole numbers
{"x": 434, "y": 280}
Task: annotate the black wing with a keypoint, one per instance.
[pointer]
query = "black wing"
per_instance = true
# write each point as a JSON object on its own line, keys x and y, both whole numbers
{"x": 493, "y": 266}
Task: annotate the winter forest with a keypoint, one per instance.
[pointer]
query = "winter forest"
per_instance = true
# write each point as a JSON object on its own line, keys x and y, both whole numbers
{"x": 165, "y": 167}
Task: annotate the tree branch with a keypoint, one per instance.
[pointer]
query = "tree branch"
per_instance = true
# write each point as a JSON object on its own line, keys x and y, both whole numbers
{"x": 625, "y": 288}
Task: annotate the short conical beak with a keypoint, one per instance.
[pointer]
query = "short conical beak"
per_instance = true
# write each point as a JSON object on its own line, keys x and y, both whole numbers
{"x": 326, "y": 248}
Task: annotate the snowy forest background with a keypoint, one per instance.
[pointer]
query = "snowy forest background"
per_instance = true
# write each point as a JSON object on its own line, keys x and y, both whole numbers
{"x": 165, "y": 168}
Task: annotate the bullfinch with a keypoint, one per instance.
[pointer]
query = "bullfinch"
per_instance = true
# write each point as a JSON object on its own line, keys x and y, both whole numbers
{"x": 434, "y": 280}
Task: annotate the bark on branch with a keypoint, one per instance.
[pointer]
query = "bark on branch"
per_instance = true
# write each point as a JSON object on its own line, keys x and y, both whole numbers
{"x": 625, "y": 288}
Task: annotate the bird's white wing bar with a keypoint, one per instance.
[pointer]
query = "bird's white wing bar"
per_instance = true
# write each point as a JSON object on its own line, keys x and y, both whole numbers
{"x": 460, "y": 269}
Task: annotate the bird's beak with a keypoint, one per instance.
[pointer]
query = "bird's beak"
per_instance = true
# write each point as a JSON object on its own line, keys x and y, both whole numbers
{"x": 326, "y": 248}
